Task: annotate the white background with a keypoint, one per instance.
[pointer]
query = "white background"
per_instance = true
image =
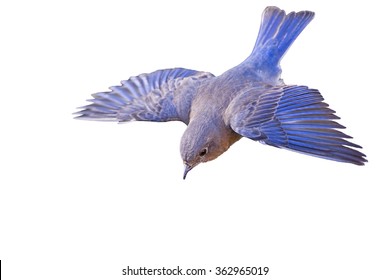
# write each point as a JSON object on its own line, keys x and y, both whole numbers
{"x": 82, "y": 200}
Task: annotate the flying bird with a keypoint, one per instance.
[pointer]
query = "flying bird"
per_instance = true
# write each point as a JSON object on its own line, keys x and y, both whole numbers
{"x": 250, "y": 100}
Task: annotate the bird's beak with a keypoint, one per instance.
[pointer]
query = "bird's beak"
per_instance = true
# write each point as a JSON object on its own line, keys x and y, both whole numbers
{"x": 187, "y": 169}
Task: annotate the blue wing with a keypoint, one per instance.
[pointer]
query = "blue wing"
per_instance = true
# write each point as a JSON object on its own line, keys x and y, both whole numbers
{"x": 147, "y": 97}
{"x": 295, "y": 118}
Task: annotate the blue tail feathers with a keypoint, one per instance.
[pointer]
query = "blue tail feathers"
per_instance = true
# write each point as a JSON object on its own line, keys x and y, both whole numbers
{"x": 278, "y": 31}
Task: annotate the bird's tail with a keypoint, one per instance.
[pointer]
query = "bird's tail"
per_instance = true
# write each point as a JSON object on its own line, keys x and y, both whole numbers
{"x": 278, "y": 31}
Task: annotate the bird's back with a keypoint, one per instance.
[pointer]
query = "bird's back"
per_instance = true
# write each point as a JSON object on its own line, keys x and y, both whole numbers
{"x": 214, "y": 95}
{"x": 261, "y": 69}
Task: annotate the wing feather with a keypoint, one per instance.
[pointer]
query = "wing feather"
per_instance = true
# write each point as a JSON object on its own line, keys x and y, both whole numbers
{"x": 147, "y": 97}
{"x": 295, "y": 118}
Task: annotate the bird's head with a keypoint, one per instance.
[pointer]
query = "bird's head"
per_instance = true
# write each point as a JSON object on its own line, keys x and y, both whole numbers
{"x": 202, "y": 142}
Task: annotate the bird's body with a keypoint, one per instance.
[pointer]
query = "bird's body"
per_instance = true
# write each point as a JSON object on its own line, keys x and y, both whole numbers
{"x": 249, "y": 100}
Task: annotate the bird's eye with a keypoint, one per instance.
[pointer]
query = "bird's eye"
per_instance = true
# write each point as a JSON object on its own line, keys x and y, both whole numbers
{"x": 203, "y": 152}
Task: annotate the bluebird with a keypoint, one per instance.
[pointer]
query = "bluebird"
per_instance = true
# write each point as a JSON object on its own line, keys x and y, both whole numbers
{"x": 250, "y": 100}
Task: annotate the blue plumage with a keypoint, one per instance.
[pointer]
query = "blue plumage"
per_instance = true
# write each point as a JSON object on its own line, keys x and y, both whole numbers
{"x": 249, "y": 100}
{"x": 277, "y": 33}
{"x": 295, "y": 118}
{"x": 139, "y": 98}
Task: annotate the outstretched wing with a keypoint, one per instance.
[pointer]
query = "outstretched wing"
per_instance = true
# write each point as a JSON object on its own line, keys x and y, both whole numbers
{"x": 292, "y": 117}
{"x": 147, "y": 97}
